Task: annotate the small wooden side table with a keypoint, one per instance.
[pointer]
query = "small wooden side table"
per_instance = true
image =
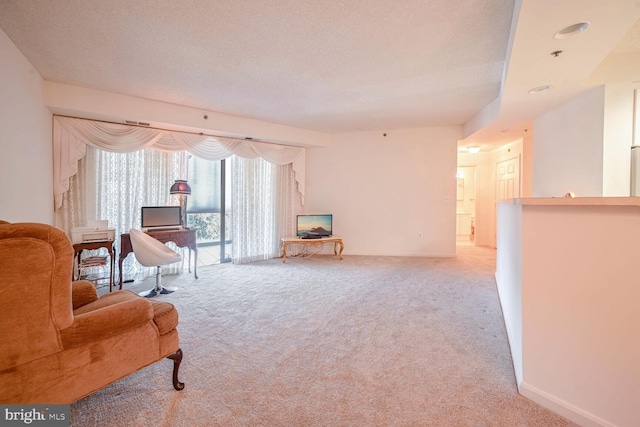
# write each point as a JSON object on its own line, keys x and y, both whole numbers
{"x": 338, "y": 246}
{"x": 79, "y": 247}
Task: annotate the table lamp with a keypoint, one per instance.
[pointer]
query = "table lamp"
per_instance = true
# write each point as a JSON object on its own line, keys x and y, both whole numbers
{"x": 181, "y": 188}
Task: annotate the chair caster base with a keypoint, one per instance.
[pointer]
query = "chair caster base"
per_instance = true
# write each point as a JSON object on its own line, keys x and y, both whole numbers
{"x": 155, "y": 292}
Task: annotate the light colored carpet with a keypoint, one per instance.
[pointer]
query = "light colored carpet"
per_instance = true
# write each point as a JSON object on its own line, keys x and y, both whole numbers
{"x": 367, "y": 341}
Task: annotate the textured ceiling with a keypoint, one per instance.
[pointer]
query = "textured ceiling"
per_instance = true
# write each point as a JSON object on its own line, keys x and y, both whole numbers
{"x": 337, "y": 65}
{"x": 328, "y": 65}
{"x": 630, "y": 43}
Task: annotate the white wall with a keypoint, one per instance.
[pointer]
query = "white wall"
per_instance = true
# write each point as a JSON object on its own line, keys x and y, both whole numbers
{"x": 581, "y": 299}
{"x": 568, "y": 148}
{"x": 26, "y": 193}
{"x": 584, "y": 145}
{"x": 573, "y": 261}
{"x": 509, "y": 278}
{"x": 384, "y": 191}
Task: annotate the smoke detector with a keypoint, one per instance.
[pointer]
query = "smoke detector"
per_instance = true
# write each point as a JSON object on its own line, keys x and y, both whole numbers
{"x": 572, "y": 30}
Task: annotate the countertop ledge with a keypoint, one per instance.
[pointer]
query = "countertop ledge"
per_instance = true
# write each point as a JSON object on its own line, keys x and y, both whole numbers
{"x": 576, "y": 201}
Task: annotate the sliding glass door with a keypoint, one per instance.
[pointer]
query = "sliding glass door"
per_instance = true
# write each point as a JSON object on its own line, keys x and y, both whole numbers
{"x": 209, "y": 207}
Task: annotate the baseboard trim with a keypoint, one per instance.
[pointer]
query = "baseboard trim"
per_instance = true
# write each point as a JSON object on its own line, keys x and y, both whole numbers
{"x": 561, "y": 407}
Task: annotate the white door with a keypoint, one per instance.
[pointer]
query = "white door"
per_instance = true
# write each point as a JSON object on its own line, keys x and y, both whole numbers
{"x": 508, "y": 179}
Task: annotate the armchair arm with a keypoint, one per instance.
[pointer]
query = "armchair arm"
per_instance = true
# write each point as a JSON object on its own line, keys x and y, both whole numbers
{"x": 107, "y": 321}
{"x": 82, "y": 293}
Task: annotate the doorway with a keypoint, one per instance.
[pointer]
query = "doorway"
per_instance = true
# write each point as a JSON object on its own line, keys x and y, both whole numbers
{"x": 465, "y": 204}
{"x": 508, "y": 179}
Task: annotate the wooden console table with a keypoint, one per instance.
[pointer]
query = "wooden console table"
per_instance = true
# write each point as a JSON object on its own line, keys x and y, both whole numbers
{"x": 182, "y": 238}
{"x": 338, "y": 246}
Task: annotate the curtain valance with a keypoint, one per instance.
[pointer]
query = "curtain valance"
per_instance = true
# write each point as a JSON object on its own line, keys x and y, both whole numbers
{"x": 72, "y": 135}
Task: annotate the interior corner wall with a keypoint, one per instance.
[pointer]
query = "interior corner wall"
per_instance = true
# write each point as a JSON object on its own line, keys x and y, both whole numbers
{"x": 485, "y": 200}
{"x": 526, "y": 174}
{"x": 618, "y": 139}
{"x": 386, "y": 191}
{"x": 26, "y": 164}
{"x": 568, "y": 148}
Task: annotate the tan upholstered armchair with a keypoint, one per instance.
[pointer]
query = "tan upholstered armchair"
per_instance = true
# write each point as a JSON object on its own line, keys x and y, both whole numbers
{"x": 59, "y": 342}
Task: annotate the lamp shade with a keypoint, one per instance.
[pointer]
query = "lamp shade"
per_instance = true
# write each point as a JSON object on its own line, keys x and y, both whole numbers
{"x": 180, "y": 187}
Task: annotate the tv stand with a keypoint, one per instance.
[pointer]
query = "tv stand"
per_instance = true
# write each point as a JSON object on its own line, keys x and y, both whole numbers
{"x": 338, "y": 246}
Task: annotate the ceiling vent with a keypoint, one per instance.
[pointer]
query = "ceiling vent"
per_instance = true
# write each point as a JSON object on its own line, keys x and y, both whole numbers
{"x": 135, "y": 123}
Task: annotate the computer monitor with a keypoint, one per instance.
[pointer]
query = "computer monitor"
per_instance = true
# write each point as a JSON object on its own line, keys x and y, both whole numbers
{"x": 161, "y": 216}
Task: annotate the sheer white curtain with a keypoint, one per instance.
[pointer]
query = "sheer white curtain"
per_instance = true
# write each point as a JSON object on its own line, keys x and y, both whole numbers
{"x": 71, "y": 136}
{"x": 114, "y": 186}
{"x": 268, "y": 184}
{"x": 288, "y": 201}
{"x": 265, "y": 203}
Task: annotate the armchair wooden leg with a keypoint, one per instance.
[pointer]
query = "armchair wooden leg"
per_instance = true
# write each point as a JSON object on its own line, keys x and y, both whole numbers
{"x": 177, "y": 358}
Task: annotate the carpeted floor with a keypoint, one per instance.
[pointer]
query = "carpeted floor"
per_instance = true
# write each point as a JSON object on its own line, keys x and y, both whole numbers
{"x": 367, "y": 341}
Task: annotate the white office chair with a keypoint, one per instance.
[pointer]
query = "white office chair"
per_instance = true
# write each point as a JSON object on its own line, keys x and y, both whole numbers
{"x": 152, "y": 253}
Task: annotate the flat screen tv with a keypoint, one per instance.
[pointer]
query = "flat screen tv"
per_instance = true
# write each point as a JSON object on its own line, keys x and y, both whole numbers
{"x": 314, "y": 225}
{"x": 161, "y": 216}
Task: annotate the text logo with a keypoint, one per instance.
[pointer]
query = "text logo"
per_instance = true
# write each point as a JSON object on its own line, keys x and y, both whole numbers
{"x": 37, "y": 415}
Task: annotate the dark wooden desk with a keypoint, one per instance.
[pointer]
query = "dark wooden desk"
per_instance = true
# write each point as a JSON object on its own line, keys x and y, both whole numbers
{"x": 77, "y": 252}
{"x": 182, "y": 238}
